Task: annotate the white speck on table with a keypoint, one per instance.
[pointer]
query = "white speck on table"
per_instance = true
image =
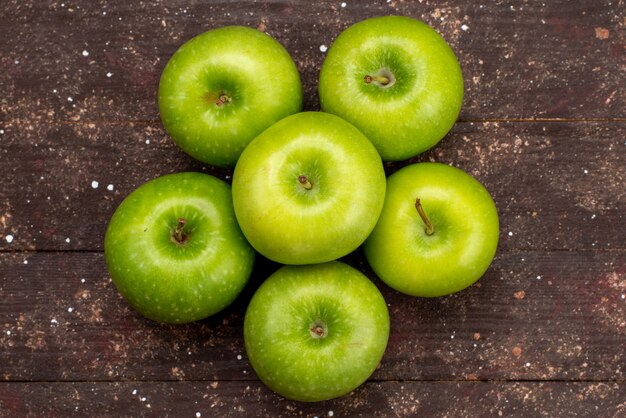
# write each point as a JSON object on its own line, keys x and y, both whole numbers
{"x": 85, "y": 53}
{"x": 110, "y": 187}
{"x": 344, "y": 4}
{"x": 67, "y": 240}
{"x": 464, "y": 27}
{"x": 9, "y": 238}
{"x": 510, "y": 234}
{"x": 323, "y": 48}
{"x": 109, "y": 74}
{"x": 94, "y": 184}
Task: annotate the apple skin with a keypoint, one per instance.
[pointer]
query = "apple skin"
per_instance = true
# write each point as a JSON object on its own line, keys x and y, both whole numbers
{"x": 409, "y": 115}
{"x": 279, "y": 333}
{"x": 171, "y": 282}
{"x": 464, "y": 241}
{"x": 289, "y": 224}
{"x": 253, "y": 70}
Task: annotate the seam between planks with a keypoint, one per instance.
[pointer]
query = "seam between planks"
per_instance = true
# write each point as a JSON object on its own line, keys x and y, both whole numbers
{"x": 619, "y": 381}
{"x": 509, "y": 252}
{"x": 460, "y": 121}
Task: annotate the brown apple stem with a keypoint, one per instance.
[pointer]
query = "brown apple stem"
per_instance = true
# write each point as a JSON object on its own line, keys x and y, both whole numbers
{"x": 429, "y": 227}
{"x": 318, "y": 330}
{"x": 178, "y": 234}
{"x": 223, "y": 99}
{"x": 378, "y": 78}
{"x": 305, "y": 182}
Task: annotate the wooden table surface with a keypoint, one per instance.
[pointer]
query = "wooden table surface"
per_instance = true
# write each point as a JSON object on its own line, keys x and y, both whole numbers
{"x": 543, "y": 333}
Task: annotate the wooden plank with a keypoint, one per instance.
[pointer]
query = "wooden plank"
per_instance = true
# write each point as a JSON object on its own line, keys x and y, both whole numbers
{"x": 557, "y": 186}
{"x": 374, "y": 399}
{"x": 534, "y": 316}
{"x": 62, "y": 61}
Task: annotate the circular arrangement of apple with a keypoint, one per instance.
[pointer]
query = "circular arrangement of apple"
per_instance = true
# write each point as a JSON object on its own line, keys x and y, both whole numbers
{"x": 307, "y": 189}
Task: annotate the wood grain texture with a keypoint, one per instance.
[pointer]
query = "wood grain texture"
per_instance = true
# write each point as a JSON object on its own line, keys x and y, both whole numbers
{"x": 553, "y": 59}
{"x": 557, "y": 186}
{"x": 252, "y": 399}
{"x": 533, "y": 316}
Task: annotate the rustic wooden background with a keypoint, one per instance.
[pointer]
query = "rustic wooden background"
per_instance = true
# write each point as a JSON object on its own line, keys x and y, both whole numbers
{"x": 542, "y": 126}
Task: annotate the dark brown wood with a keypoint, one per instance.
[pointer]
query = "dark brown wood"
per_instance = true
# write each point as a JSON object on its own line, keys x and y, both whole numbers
{"x": 534, "y": 316}
{"x": 377, "y": 399}
{"x": 542, "y": 126}
{"x": 557, "y": 186}
{"x": 552, "y": 59}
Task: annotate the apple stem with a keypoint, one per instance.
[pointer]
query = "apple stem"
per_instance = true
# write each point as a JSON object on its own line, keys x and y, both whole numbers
{"x": 318, "y": 330}
{"x": 223, "y": 99}
{"x": 178, "y": 236}
{"x": 378, "y": 78}
{"x": 429, "y": 227}
{"x": 304, "y": 181}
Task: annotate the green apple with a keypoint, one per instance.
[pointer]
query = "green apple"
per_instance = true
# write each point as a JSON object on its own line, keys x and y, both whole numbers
{"x": 396, "y": 80}
{"x": 174, "y": 249}
{"x": 309, "y": 189}
{"x": 223, "y": 88}
{"x": 316, "y": 332}
{"x": 437, "y": 233}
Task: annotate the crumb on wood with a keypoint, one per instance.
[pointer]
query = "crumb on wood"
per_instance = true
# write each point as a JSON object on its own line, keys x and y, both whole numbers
{"x": 178, "y": 373}
{"x": 602, "y": 33}
{"x": 36, "y": 340}
{"x": 519, "y": 295}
